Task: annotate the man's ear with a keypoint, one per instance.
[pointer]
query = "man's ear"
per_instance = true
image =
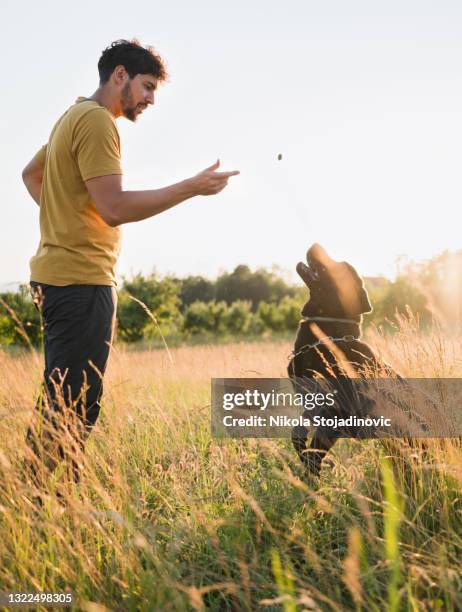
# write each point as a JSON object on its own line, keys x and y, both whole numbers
{"x": 119, "y": 74}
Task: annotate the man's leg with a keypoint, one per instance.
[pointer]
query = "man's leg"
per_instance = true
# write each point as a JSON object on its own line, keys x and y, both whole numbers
{"x": 78, "y": 330}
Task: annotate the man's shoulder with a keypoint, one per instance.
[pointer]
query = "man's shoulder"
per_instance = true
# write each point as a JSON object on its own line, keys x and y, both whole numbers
{"x": 83, "y": 122}
{"x": 86, "y": 119}
{"x": 89, "y": 110}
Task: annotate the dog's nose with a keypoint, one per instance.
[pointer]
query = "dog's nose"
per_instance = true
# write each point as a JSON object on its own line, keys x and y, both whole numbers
{"x": 317, "y": 253}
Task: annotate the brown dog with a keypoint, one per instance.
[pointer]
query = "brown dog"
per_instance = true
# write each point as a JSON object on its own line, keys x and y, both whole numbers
{"x": 332, "y": 327}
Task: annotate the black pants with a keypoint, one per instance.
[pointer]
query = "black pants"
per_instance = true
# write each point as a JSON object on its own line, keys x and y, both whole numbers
{"x": 78, "y": 323}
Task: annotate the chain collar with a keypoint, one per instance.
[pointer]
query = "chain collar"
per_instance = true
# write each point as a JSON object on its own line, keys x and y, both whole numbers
{"x": 347, "y": 338}
{"x": 307, "y": 347}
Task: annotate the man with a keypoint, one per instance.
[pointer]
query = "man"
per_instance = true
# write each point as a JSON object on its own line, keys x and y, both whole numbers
{"x": 76, "y": 180}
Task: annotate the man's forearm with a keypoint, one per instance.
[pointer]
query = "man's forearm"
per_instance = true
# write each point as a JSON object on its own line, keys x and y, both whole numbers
{"x": 132, "y": 206}
{"x": 117, "y": 206}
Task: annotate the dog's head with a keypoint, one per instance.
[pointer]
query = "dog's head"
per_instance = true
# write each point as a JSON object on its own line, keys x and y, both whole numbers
{"x": 336, "y": 290}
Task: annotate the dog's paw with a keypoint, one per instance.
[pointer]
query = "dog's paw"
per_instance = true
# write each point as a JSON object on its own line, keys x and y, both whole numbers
{"x": 310, "y": 479}
{"x": 311, "y": 471}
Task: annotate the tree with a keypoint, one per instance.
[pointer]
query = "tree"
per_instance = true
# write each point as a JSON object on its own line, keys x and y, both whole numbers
{"x": 400, "y": 297}
{"x": 194, "y": 289}
{"x": 258, "y": 286}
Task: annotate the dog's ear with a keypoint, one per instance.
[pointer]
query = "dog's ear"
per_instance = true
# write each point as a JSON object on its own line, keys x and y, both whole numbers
{"x": 365, "y": 303}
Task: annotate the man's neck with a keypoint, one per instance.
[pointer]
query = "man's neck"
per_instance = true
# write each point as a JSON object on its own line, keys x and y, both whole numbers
{"x": 105, "y": 97}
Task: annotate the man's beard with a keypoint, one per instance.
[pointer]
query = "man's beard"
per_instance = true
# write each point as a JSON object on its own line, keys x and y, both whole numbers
{"x": 128, "y": 107}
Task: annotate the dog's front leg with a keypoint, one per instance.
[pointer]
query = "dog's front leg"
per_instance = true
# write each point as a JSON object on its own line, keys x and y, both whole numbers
{"x": 320, "y": 445}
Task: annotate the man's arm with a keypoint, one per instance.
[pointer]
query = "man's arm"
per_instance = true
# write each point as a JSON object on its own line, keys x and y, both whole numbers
{"x": 32, "y": 175}
{"x": 117, "y": 206}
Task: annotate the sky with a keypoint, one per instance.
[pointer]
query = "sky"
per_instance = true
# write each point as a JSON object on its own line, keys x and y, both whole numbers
{"x": 362, "y": 99}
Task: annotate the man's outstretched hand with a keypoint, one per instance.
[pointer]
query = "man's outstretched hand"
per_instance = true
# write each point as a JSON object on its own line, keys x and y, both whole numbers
{"x": 209, "y": 181}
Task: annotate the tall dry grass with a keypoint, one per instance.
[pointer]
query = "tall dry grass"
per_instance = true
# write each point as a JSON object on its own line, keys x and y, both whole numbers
{"x": 166, "y": 518}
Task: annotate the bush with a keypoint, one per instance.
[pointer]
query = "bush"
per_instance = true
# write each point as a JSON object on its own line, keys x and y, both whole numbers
{"x": 271, "y": 316}
{"x": 208, "y": 318}
{"x": 160, "y": 297}
{"x": 19, "y": 319}
{"x": 238, "y": 317}
{"x": 290, "y": 312}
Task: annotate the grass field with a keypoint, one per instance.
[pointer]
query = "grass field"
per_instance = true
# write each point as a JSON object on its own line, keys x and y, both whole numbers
{"x": 167, "y": 518}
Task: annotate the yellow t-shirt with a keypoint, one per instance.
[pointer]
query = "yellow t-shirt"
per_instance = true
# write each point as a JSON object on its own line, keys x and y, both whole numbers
{"x": 77, "y": 247}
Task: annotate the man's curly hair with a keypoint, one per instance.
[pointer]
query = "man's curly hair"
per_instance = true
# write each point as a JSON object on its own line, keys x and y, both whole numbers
{"x": 135, "y": 58}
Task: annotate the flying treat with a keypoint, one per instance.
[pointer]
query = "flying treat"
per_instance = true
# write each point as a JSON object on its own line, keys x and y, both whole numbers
{"x": 279, "y": 156}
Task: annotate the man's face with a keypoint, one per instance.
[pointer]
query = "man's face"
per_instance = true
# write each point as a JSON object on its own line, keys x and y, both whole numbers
{"x": 136, "y": 94}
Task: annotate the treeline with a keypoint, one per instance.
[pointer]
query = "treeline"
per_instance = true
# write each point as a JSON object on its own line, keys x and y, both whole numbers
{"x": 237, "y": 304}
{"x": 245, "y": 303}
